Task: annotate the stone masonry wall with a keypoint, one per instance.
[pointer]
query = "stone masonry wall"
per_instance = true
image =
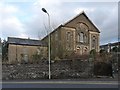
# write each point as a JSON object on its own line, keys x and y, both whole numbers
{"x": 65, "y": 69}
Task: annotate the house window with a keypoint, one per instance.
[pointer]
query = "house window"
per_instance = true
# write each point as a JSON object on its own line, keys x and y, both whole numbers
{"x": 82, "y": 29}
{"x": 78, "y": 37}
{"x": 68, "y": 36}
{"x": 94, "y": 42}
{"x": 81, "y": 36}
{"x": 69, "y": 40}
{"x": 85, "y": 38}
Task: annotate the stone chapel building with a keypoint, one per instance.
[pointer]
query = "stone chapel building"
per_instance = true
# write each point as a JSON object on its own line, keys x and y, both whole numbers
{"x": 79, "y": 35}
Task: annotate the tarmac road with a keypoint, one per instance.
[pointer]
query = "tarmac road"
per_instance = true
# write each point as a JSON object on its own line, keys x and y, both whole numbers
{"x": 60, "y": 84}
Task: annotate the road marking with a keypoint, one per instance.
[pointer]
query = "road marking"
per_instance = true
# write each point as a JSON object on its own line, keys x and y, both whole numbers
{"x": 62, "y": 82}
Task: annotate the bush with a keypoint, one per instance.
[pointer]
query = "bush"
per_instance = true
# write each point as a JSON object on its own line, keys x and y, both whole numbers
{"x": 103, "y": 69}
{"x": 102, "y": 51}
{"x": 93, "y": 54}
{"x": 115, "y": 49}
{"x": 36, "y": 58}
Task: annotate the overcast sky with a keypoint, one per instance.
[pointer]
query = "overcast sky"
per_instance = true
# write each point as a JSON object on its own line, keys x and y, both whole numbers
{"x": 24, "y": 18}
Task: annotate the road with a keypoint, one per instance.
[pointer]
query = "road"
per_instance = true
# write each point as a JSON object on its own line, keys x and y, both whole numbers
{"x": 60, "y": 84}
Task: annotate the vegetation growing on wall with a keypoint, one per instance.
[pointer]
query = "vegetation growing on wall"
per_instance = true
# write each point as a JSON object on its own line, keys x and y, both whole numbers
{"x": 4, "y": 51}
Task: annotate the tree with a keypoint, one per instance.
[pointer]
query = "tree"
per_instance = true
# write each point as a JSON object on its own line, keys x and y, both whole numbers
{"x": 118, "y": 48}
{"x": 54, "y": 48}
{"x": 115, "y": 49}
{"x": 102, "y": 51}
{"x": 4, "y": 50}
{"x": 93, "y": 54}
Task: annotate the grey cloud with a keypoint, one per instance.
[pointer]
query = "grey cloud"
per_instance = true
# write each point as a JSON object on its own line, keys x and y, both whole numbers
{"x": 103, "y": 16}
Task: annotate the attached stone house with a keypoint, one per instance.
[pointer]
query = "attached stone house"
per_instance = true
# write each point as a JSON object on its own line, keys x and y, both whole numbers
{"x": 22, "y": 50}
{"x": 79, "y": 36}
{"x": 108, "y": 47}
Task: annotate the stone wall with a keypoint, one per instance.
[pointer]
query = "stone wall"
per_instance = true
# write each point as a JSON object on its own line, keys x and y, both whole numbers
{"x": 21, "y": 53}
{"x": 64, "y": 69}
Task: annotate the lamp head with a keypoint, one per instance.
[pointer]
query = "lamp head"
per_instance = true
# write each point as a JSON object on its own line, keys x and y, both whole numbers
{"x": 44, "y": 10}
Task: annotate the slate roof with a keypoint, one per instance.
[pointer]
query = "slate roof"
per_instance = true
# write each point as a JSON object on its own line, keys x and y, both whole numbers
{"x": 21, "y": 41}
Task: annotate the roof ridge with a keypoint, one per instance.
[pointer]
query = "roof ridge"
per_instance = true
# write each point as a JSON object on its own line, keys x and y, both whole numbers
{"x": 21, "y": 41}
{"x": 22, "y": 38}
{"x": 82, "y": 12}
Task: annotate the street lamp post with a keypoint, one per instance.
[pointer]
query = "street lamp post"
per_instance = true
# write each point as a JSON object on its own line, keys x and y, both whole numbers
{"x": 44, "y": 10}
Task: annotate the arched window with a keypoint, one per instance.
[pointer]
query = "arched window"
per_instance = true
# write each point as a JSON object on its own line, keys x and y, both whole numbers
{"x": 82, "y": 29}
{"x": 69, "y": 40}
{"x": 85, "y": 50}
{"x": 68, "y": 36}
{"x": 78, "y": 37}
{"x": 94, "y": 42}
{"x": 81, "y": 37}
{"x": 85, "y": 39}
